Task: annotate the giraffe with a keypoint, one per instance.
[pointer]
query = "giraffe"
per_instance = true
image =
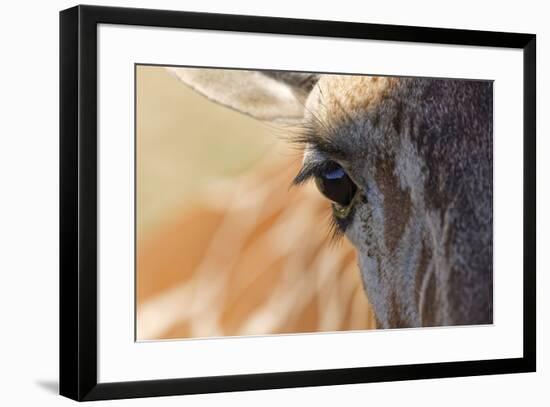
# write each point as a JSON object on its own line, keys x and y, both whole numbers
{"x": 406, "y": 164}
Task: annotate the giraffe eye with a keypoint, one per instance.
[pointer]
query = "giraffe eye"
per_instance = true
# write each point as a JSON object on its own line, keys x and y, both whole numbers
{"x": 336, "y": 185}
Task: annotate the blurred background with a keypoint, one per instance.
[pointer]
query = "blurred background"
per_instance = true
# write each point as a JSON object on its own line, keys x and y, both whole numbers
{"x": 225, "y": 246}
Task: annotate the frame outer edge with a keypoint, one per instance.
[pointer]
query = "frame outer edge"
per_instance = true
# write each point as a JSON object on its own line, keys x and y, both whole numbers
{"x": 68, "y": 216}
{"x": 78, "y": 203}
{"x": 530, "y": 205}
{"x": 87, "y": 203}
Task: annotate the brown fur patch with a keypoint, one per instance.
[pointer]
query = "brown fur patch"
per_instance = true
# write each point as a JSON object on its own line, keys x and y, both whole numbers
{"x": 397, "y": 202}
{"x": 340, "y": 98}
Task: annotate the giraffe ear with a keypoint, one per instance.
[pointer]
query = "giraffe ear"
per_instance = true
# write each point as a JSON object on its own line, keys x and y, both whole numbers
{"x": 266, "y": 95}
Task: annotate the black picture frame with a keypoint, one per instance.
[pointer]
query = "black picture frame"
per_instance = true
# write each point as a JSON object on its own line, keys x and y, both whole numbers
{"x": 78, "y": 202}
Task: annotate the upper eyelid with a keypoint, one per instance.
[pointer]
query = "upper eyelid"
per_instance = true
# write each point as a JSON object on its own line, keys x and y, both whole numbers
{"x": 319, "y": 155}
{"x": 322, "y": 143}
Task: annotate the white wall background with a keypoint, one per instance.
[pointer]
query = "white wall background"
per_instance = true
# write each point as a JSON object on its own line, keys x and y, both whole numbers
{"x": 29, "y": 202}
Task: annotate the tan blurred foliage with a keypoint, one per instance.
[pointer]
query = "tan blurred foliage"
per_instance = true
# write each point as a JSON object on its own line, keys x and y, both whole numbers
{"x": 225, "y": 247}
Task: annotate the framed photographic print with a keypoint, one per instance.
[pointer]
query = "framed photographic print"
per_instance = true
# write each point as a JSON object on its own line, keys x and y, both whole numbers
{"x": 254, "y": 202}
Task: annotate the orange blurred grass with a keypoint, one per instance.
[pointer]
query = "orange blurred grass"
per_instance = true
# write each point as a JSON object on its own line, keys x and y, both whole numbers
{"x": 252, "y": 259}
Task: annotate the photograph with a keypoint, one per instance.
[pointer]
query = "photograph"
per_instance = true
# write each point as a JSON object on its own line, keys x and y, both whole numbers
{"x": 273, "y": 202}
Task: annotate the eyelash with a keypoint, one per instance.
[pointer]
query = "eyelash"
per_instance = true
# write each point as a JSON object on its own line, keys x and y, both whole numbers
{"x": 336, "y": 226}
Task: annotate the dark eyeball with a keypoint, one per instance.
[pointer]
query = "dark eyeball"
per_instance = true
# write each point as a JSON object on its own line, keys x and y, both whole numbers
{"x": 336, "y": 185}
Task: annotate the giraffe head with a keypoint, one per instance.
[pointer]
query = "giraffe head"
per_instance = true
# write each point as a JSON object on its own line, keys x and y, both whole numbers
{"x": 407, "y": 165}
